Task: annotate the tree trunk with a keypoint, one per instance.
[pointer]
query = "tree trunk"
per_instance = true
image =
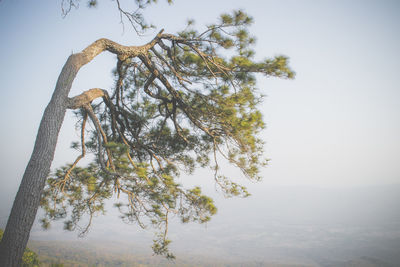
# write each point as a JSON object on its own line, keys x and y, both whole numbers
{"x": 27, "y": 200}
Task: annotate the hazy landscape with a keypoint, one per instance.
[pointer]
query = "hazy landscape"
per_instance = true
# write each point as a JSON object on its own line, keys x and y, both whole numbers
{"x": 278, "y": 226}
{"x": 330, "y": 196}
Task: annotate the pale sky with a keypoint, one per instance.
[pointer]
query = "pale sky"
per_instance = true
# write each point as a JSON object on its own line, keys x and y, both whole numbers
{"x": 336, "y": 124}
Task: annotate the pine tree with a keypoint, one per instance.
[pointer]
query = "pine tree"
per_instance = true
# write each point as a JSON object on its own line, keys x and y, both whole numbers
{"x": 180, "y": 102}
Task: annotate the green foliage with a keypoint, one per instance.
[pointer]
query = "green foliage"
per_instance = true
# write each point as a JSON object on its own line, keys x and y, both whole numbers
{"x": 92, "y": 3}
{"x": 29, "y": 258}
{"x": 190, "y": 102}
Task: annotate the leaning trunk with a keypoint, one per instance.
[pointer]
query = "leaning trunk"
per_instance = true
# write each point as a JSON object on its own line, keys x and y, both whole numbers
{"x": 26, "y": 202}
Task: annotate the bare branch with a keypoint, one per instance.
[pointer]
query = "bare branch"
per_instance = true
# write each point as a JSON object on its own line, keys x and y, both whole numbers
{"x": 85, "y": 98}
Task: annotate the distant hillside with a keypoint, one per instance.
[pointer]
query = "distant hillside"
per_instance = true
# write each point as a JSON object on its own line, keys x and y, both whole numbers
{"x": 307, "y": 226}
{"x": 85, "y": 254}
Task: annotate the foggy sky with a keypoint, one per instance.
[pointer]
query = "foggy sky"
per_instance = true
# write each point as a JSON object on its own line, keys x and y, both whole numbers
{"x": 336, "y": 124}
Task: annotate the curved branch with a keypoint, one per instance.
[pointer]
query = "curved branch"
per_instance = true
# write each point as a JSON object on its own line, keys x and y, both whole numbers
{"x": 81, "y": 156}
{"x": 123, "y": 52}
{"x": 85, "y": 98}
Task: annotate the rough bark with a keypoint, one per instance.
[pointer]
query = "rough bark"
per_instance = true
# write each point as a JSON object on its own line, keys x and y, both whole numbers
{"x": 27, "y": 200}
